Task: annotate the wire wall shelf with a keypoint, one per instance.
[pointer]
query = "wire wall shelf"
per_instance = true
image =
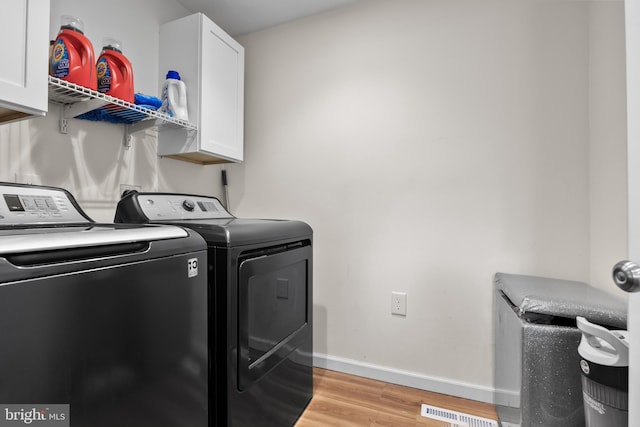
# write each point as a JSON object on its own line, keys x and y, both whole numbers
{"x": 82, "y": 103}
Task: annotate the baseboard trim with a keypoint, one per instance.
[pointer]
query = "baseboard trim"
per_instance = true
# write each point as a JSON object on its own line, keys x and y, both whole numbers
{"x": 406, "y": 378}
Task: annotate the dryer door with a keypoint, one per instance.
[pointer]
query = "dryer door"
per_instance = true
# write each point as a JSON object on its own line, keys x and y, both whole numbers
{"x": 274, "y": 311}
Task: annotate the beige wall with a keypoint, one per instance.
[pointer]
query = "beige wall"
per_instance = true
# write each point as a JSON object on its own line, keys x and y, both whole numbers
{"x": 430, "y": 144}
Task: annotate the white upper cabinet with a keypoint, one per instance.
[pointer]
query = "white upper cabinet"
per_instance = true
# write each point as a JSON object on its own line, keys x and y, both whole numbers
{"x": 211, "y": 64}
{"x": 24, "y": 31}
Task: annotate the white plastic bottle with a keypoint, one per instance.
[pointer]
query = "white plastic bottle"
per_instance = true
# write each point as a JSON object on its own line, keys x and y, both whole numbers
{"x": 174, "y": 97}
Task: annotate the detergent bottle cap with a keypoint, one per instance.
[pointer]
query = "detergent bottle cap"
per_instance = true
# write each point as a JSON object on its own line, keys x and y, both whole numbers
{"x": 172, "y": 74}
{"x": 109, "y": 43}
{"x": 71, "y": 22}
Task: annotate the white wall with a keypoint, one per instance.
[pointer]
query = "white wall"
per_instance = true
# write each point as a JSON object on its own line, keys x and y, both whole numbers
{"x": 430, "y": 144}
{"x": 91, "y": 160}
{"x": 608, "y": 141}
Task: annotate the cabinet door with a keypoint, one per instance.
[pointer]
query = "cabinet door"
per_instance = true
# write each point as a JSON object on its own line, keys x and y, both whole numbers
{"x": 221, "y": 123}
{"x": 24, "y": 31}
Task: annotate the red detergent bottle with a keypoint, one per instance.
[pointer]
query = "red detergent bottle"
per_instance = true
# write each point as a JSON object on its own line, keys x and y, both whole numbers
{"x": 72, "y": 58}
{"x": 114, "y": 71}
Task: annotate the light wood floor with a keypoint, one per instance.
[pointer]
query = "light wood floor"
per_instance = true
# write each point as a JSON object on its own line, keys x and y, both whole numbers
{"x": 345, "y": 400}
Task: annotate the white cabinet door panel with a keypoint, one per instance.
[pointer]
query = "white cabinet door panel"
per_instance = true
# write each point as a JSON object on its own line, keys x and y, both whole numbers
{"x": 24, "y": 31}
{"x": 221, "y": 96}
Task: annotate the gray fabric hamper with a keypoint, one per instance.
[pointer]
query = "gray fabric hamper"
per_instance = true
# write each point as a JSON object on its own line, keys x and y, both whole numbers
{"x": 536, "y": 362}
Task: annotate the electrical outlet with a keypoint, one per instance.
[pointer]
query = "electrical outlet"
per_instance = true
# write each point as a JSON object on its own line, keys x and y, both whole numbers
{"x": 399, "y": 303}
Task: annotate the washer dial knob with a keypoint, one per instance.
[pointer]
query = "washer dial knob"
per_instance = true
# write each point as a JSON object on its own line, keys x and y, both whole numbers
{"x": 188, "y": 205}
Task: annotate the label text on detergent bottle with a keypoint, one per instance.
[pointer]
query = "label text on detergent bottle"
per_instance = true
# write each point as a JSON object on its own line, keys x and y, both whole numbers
{"x": 104, "y": 75}
{"x": 60, "y": 60}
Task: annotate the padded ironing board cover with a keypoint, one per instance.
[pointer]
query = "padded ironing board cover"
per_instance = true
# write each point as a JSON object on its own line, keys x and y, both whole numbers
{"x": 563, "y": 298}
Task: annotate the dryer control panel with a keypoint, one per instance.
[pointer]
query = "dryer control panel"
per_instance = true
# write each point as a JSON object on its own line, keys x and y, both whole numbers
{"x": 163, "y": 207}
{"x": 32, "y": 205}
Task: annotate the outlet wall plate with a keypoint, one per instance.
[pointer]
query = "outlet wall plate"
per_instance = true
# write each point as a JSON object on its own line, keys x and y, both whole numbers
{"x": 399, "y": 303}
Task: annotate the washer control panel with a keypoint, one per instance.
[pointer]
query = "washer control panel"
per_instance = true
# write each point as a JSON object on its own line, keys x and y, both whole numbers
{"x": 37, "y": 205}
{"x": 163, "y": 207}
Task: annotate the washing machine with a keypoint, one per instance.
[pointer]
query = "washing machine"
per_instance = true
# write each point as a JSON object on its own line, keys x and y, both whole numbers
{"x": 101, "y": 325}
{"x": 260, "y": 285}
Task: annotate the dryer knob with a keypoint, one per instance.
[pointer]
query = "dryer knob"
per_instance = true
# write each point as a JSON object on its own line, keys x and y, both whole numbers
{"x": 188, "y": 205}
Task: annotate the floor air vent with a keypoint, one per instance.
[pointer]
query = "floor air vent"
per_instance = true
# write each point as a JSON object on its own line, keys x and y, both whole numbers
{"x": 455, "y": 419}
